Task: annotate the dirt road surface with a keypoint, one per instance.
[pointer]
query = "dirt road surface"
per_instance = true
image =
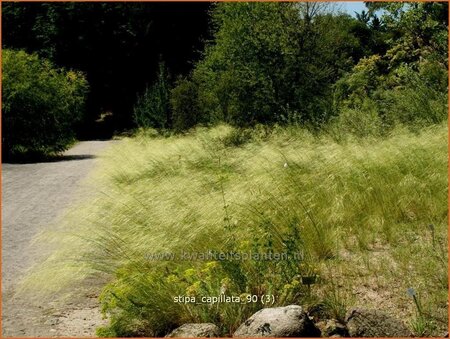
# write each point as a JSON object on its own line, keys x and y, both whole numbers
{"x": 34, "y": 195}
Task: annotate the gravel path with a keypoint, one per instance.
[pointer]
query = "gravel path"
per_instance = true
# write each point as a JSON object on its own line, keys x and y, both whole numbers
{"x": 34, "y": 195}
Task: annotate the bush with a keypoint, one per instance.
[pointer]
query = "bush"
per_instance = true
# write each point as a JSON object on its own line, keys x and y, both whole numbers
{"x": 419, "y": 99}
{"x": 361, "y": 123}
{"x": 152, "y": 108}
{"x": 237, "y": 137}
{"x": 40, "y": 105}
{"x": 184, "y": 104}
{"x": 371, "y": 100}
{"x": 354, "y": 87}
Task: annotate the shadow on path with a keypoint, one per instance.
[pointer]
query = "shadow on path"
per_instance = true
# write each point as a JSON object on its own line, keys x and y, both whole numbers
{"x": 56, "y": 158}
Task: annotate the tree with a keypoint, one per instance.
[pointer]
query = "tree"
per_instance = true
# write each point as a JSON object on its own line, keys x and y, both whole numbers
{"x": 273, "y": 62}
{"x": 418, "y": 30}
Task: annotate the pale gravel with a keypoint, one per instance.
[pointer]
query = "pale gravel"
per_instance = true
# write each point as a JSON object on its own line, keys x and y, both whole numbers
{"x": 33, "y": 196}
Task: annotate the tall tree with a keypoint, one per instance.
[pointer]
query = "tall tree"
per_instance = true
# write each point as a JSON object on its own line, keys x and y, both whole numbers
{"x": 274, "y": 62}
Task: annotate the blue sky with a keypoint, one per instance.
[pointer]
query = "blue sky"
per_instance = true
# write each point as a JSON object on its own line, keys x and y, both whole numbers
{"x": 352, "y": 6}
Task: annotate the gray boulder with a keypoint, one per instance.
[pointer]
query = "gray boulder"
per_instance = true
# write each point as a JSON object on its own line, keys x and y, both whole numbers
{"x": 367, "y": 323}
{"x": 288, "y": 321}
{"x": 201, "y": 330}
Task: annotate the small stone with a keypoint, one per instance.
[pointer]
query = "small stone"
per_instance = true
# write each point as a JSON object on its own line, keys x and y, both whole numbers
{"x": 201, "y": 330}
{"x": 52, "y": 321}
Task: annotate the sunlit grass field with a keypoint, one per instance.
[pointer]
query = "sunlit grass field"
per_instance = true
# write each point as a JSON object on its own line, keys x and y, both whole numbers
{"x": 368, "y": 214}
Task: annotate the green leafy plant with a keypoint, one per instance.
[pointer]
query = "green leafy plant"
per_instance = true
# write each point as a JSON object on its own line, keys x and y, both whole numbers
{"x": 237, "y": 137}
{"x": 40, "y": 105}
{"x": 152, "y": 108}
{"x": 186, "y": 112}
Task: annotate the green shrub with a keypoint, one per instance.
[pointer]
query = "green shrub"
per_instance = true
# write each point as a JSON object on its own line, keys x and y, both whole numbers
{"x": 184, "y": 104}
{"x": 361, "y": 122}
{"x": 40, "y": 105}
{"x": 360, "y": 83}
{"x": 372, "y": 101}
{"x": 237, "y": 137}
{"x": 152, "y": 108}
{"x": 419, "y": 98}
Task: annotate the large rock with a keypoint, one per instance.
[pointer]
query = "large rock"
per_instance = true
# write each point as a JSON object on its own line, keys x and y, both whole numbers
{"x": 373, "y": 323}
{"x": 201, "y": 330}
{"x": 288, "y": 321}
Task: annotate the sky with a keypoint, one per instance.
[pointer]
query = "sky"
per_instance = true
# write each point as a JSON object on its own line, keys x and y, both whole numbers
{"x": 352, "y": 6}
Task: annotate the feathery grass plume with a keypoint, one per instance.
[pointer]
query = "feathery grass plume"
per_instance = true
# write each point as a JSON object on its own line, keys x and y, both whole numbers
{"x": 356, "y": 210}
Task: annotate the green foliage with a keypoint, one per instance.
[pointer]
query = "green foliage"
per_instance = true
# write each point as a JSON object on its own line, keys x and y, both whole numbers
{"x": 184, "y": 104}
{"x": 235, "y": 70}
{"x": 140, "y": 300}
{"x": 359, "y": 186}
{"x": 419, "y": 31}
{"x": 40, "y": 105}
{"x": 372, "y": 101}
{"x": 423, "y": 323}
{"x": 405, "y": 85}
{"x": 363, "y": 121}
{"x": 300, "y": 63}
{"x": 361, "y": 82}
{"x": 237, "y": 137}
{"x": 152, "y": 109}
{"x": 272, "y": 62}
{"x": 264, "y": 63}
{"x": 419, "y": 97}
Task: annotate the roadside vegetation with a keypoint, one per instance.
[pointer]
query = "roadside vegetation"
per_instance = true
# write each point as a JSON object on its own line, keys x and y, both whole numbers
{"x": 302, "y": 131}
{"x": 368, "y": 215}
{"x": 40, "y": 106}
